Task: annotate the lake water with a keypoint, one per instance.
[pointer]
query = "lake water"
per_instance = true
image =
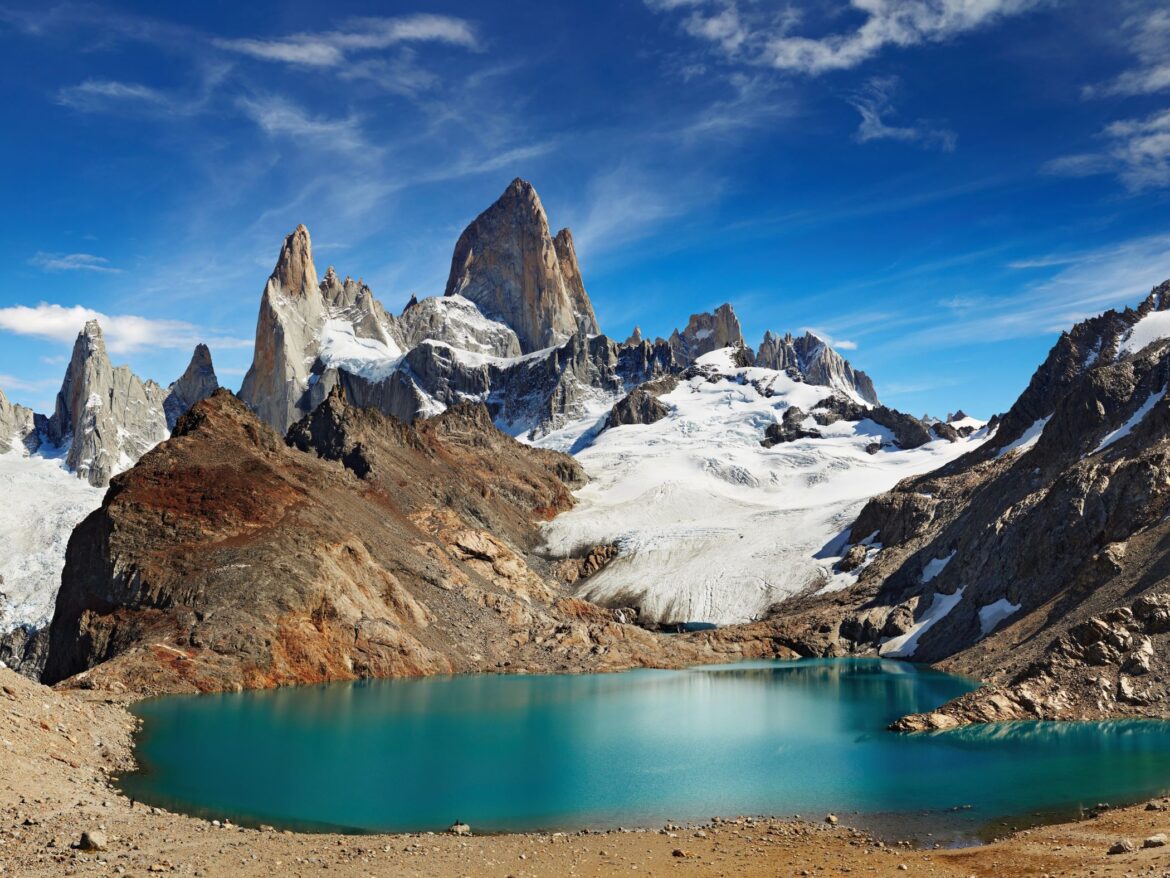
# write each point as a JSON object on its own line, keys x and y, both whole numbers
{"x": 637, "y": 748}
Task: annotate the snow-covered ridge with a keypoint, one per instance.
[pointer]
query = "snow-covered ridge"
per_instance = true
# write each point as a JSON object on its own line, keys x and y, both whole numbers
{"x": 710, "y": 525}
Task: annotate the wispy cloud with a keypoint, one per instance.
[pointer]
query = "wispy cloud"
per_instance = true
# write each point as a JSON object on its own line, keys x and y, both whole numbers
{"x": 278, "y": 116}
{"x": 842, "y": 344}
{"x": 627, "y": 202}
{"x": 1088, "y": 283}
{"x": 99, "y": 94}
{"x": 874, "y": 102}
{"x": 1137, "y": 151}
{"x": 123, "y": 333}
{"x": 758, "y": 35}
{"x": 73, "y": 262}
{"x": 1147, "y": 36}
{"x": 335, "y": 48}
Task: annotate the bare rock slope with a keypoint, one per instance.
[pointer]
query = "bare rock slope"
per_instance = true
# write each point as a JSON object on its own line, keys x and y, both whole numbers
{"x": 1039, "y": 561}
{"x": 361, "y": 547}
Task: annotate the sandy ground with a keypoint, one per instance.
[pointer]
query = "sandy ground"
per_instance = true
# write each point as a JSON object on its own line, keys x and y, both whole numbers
{"x": 57, "y": 750}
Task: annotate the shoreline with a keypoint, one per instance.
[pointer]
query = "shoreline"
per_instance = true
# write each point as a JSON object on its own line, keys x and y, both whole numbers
{"x": 60, "y": 751}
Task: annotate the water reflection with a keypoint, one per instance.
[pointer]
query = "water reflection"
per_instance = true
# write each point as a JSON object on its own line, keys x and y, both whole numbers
{"x": 639, "y": 747}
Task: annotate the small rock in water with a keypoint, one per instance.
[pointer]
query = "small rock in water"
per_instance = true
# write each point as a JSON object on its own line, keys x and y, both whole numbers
{"x": 831, "y": 819}
{"x": 92, "y": 840}
{"x": 1155, "y": 841}
{"x": 1121, "y": 846}
{"x": 459, "y": 828}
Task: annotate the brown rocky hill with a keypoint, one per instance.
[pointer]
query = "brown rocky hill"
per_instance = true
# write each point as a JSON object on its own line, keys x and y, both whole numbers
{"x": 1038, "y": 562}
{"x": 361, "y": 546}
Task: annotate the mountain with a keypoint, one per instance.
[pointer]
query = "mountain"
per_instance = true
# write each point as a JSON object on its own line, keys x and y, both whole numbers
{"x": 17, "y": 427}
{"x": 713, "y": 519}
{"x": 508, "y": 264}
{"x": 107, "y": 416}
{"x": 54, "y": 469}
{"x": 815, "y": 360}
{"x": 705, "y": 333}
{"x": 196, "y": 383}
{"x": 1038, "y": 560}
{"x": 357, "y": 546}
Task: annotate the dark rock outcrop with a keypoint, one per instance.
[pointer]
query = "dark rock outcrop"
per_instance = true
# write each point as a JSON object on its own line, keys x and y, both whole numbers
{"x": 642, "y": 405}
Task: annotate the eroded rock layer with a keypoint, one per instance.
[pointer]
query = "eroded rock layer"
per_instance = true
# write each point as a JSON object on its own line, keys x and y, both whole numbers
{"x": 360, "y": 547}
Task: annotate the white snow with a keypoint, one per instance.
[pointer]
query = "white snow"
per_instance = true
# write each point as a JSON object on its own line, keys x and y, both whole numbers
{"x": 713, "y": 527}
{"x": 905, "y": 645}
{"x": 1030, "y": 437}
{"x": 43, "y": 502}
{"x": 935, "y": 566}
{"x": 1151, "y": 328}
{"x": 369, "y": 358}
{"x": 994, "y": 613}
{"x": 973, "y": 423}
{"x": 1126, "y": 428}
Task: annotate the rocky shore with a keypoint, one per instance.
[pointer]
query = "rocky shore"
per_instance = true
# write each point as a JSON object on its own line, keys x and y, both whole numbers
{"x": 61, "y": 815}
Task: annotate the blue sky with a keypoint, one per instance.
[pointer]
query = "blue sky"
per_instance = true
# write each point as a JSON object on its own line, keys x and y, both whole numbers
{"x": 939, "y": 186}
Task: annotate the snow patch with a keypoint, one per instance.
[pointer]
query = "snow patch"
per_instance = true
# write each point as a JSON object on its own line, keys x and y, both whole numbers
{"x": 935, "y": 566}
{"x": 1155, "y": 326}
{"x": 994, "y": 613}
{"x": 1126, "y": 428}
{"x": 369, "y": 358}
{"x": 905, "y": 645}
{"x": 1030, "y": 437}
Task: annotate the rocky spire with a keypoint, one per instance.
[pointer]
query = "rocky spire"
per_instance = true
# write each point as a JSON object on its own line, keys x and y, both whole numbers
{"x": 507, "y": 262}
{"x": 108, "y": 416}
{"x": 571, "y": 272}
{"x": 705, "y": 333}
{"x": 17, "y": 427}
{"x": 292, "y": 312}
{"x": 810, "y": 358}
{"x": 197, "y": 383}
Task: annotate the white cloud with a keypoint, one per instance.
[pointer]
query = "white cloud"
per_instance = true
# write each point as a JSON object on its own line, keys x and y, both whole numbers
{"x": 1147, "y": 37}
{"x": 768, "y": 38}
{"x": 279, "y": 116}
{"x": 874, "y": 102}
{"x": 122, "y": 332}
{"x": 73, "y": 262}
{"x": 334, "y": 48}
{"x": 100, "y": 94}
{"x": 1137, "y": 152}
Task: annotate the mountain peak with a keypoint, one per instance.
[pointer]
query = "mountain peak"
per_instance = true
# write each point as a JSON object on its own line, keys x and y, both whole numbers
{"x": 294, "y": 268}
{"x": 197, "y": 383}
{"x": 509, "y": 264}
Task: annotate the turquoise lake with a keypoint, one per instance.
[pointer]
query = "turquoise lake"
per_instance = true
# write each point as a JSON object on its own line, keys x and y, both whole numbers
{"x": 629, "y": 749}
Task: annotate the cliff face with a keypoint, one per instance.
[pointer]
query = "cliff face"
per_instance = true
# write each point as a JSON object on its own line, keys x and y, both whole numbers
{"x": 508, "y": 263}
{"x": 17, "y": 427}
{"x": 364, "y": 547}
{"x": 292, "y": 310}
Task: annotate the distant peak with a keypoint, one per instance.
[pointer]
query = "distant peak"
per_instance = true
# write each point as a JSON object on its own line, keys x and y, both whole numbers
{"x": 92, "y": 329}
{"x": 294, "y": 267}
